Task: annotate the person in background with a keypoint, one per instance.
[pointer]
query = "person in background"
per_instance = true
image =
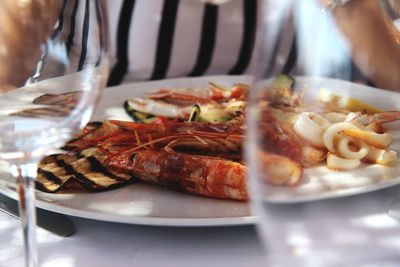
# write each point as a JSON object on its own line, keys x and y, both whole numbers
{"x": 221, "y": 39}
{"x": 154, "y": 39}
{"x": 21, "y": 39}
{"x": 375, "y": 41}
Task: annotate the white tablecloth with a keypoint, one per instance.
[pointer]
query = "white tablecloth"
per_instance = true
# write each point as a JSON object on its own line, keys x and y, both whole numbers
{"x": 359, "y": 229}
{"x": 99, "y": 244}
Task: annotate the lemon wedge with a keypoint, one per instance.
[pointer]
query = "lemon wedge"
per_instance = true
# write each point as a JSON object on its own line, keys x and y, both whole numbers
{"x": 347, "y": 102}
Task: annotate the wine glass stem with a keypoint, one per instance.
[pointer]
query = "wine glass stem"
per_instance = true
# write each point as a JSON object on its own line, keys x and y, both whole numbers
{"x": 25, "y": 174}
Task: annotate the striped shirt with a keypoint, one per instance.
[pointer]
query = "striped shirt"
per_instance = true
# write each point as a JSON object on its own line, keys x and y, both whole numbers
{"x": 153, "y": 39}
{"x": 157, "y": 39}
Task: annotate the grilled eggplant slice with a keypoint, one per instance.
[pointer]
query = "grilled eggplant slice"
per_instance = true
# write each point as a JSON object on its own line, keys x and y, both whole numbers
{"x": 138, "y": 116}
{"x": 62, "y": 171}
{"x": 83, "y": 170}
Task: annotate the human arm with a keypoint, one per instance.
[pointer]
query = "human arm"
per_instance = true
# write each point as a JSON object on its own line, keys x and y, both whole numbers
{"x": 373, "y": 43}
{"x": 24, "y": 27}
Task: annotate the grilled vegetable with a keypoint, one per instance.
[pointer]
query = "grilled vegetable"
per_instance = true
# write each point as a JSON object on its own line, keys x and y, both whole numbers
{"x": 63, "y": 171}
{"x": 214, "y": 113}
{"x": 283, "y": 80}
{"x": 156, "y": 108}
{"x": 138, "y": 116}
{"x": 195, "y": 114}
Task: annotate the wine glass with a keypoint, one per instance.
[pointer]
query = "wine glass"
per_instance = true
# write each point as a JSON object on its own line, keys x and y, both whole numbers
{"x": 319, "y": 189}
{"x": 53, "y": 65}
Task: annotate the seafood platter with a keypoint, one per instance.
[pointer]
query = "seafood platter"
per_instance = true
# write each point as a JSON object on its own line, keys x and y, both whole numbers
{"x": 188, "y": 142}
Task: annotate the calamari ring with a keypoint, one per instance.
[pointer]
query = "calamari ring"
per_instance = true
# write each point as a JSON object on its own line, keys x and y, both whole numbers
{"x": 344, "y": 145}
{"x": 332, "y": 131}
{"x": 310, "y": 126}
{"x": 337, "y": 163}
{"x": 381, "y": 156}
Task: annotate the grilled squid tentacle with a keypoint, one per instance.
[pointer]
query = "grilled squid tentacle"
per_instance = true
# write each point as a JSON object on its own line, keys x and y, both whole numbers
{"x": 374, "y": 139}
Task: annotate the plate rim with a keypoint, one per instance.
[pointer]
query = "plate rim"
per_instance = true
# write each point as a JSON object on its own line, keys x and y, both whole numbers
{"x": 139, "y": 220}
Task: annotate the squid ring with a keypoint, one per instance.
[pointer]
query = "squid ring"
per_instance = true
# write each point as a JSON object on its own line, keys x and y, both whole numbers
{"x": 381, "y": 156}
{"x": 337, "y": 163}
{"x": 310, "y": 127}
{"x": 343, "y": 147}
{"x": 334, "y": 129}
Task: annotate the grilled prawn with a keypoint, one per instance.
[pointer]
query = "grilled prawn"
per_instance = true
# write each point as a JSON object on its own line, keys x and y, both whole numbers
{"x": 200, "y": 175}
{"x": 204, "y": 175}
{"x": 119, "y": 137}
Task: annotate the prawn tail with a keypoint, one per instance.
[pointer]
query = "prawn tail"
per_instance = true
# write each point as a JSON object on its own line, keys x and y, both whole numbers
{"x": 279, "y": 170}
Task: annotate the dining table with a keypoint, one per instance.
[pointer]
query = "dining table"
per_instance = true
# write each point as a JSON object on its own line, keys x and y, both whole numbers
{"x": 99, "y": 243}
{"x": 371, "y": 226}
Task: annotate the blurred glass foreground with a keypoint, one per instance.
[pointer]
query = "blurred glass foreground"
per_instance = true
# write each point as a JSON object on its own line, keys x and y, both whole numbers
{"x": 322, "y": 146}
{"x": 52, "y": 70}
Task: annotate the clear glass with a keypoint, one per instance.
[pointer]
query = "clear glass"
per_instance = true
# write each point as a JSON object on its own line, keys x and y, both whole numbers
{"x": 52, "y": 70}
{"x": 327, "y": 74}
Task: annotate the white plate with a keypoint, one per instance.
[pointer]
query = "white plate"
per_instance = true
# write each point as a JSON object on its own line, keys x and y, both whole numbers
{"x": 151, "y": 205}
{"x": 142, "y": 203}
